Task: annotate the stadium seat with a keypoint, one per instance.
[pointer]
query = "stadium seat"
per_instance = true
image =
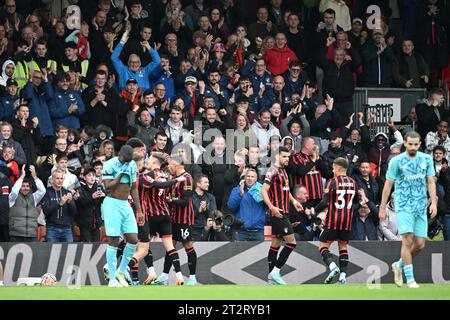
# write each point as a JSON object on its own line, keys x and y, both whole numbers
{"x": 76, "y": 234}
{"x": 446, "y": 78}
{"x": 41, "y": 232}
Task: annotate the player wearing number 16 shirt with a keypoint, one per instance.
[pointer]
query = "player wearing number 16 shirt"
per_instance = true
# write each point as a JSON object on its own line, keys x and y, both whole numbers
{"x": 339, "y": 196}
{"x": 182, "y": 220}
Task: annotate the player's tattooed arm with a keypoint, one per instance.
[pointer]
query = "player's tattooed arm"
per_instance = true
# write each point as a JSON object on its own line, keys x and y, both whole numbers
{"x": 433, "y": 198}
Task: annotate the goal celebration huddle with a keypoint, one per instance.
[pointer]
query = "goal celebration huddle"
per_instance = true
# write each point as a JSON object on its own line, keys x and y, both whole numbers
{"x": 152, "y": 197}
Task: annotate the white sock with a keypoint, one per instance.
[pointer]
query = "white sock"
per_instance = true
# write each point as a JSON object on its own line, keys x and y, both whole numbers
{"x": 179, "y": 275}
{"x": 1, "y": 283}
{"x": 275, "y": 270}
{"x": 192, "y": 277}
{"x": 151, "y": 270}
{"x": 342, "y": 275}
{"x": 164, "y": 275}
{"x": 332, "y": 266}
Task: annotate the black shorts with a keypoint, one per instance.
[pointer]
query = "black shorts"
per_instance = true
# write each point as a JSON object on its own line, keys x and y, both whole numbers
{"x": 160, "y": 225}
{"x": 181, "y": 232}
{"x": 143, "y": 232}
{"x": 329, "y": 236}
{"x": 281, "y": 227}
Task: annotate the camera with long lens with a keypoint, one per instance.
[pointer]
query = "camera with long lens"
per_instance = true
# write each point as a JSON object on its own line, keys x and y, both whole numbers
{"x": 317, "y": 221}
{"x": 434, "y": 228}
{"x": 218, "y": 221}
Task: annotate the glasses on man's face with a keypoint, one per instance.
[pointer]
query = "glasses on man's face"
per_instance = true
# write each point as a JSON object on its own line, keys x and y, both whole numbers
{"x": 160, "y": 89}
{"x": 61, "y": 144}
{"x": 295, "y": 69}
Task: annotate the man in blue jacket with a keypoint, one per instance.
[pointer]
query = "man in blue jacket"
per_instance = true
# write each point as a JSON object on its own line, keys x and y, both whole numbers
{"x": 134, "y": 69}
{"x": 67, "y": 106}
{"x": 246, "y": 203}
{"x": 39, "y": 92}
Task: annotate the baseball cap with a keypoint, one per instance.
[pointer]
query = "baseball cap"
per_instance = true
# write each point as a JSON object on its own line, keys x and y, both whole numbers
{"x": 132, "y": 80}
{"x": 190, "y": 79}
{"x": 11, "y": 82}
{"x": 357, "y": 20}
{"x": 219, "y": 47}
{"x": 384, "y": 135}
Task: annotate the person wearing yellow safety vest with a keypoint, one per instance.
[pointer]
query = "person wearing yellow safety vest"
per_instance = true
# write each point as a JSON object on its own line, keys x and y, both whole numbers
{"x": 21, "y": 56}
{"x": 40, "y": 58}
{"x": 74, "y": 63}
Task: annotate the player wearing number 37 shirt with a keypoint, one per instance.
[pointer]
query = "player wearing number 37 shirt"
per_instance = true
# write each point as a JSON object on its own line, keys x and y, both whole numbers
{"x": 339, "y": 197}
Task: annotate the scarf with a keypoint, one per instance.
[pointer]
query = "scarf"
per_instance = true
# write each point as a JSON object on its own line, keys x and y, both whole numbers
{"x": 125, "y": 95}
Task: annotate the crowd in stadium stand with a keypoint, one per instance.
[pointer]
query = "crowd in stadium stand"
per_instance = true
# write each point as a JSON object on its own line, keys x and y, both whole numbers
{"x": 223, "y": 84}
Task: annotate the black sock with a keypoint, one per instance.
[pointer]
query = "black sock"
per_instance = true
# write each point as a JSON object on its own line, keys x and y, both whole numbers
{"x": 326, "y": 256}
{"x": 120, "y": 248}
{"x": 149, "y": 259}
{"x": 343, "y": 260}
{"x": 284, "y": 254}
{"x": 134, "y": 268}
{"x": 174, "y": 259}
{"x": 167, "y": 263}
{"x": 272, "y": 257}
{"x": 192, "y": 260}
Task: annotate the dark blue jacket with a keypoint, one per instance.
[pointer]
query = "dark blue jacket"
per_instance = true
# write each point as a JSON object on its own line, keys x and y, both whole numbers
{"x": 270, "y": 97}
{"x": 362, "y": 230}
{"x": 209, "y": 92}
{"x": 40, "y": 100}
{"x": 291, "y": 86}
{"x": 371, "y": 190}
{"x": 158, "y": 75}
{"x": 247, "y": 209}
{"x": 7, "y": 106}
{"x": 59, "y": 108}
{"x": 266, "y": 78}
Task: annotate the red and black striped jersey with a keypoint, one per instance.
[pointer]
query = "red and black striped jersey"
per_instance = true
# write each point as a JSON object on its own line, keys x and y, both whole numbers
{"x": 341, "y": 192}
{"x": 153, "y": 198}
{"x": 182, "y": 207}
{"x": 279, "y": 191}
{"x": 311, "y": 177}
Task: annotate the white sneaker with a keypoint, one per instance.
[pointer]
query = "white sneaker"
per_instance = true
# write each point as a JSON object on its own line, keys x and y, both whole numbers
{"x": 120, "y": 276}
{"x": 114, "y": 284}
{"x": 412, "y": 285}
{"x": 398, "y": 275}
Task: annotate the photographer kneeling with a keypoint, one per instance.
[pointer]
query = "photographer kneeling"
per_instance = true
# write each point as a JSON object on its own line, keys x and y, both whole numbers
{"x": 214, "y": 229}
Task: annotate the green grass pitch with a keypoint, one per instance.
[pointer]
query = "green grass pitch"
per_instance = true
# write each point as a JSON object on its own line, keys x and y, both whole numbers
{"x": 229, "y": 292}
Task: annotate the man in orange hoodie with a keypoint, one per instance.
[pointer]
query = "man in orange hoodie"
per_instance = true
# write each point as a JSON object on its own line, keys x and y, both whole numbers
{"x": 280, "y": 56}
